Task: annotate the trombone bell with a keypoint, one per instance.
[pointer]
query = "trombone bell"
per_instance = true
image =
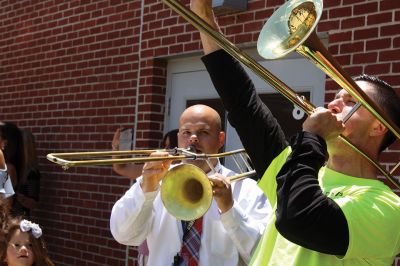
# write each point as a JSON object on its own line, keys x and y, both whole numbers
{"x": 288, "y": 27}
{"x": 186, "y": 192}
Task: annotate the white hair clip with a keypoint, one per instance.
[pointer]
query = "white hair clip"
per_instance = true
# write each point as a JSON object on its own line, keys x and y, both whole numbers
{"x": 27, "y": 226}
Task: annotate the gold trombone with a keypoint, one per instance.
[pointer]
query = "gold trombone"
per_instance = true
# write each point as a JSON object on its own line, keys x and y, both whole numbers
{"x": 293, "y": 28}
{"x": 74, "y": 159}
{"x": 186, "y": 191}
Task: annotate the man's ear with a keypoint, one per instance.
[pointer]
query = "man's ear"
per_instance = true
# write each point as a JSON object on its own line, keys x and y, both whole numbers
{"x": 378, "y": 129}
{"x": 221, "y": 139}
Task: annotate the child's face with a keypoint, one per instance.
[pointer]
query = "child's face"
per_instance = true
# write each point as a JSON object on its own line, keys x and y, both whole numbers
{"x": 19, "y": 250}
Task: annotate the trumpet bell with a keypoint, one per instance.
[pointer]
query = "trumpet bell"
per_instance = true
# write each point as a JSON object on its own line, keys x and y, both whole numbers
{"x": 288, "y": 27}
{"x": 186, "y": 192}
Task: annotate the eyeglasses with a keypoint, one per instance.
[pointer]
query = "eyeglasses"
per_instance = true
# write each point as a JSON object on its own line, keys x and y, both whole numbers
{"x": 18, "y": 246}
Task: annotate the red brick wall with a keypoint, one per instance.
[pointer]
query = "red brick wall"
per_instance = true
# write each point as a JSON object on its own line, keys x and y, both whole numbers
{"x": 69, "y": 73}
{"x": 74, "y": 71}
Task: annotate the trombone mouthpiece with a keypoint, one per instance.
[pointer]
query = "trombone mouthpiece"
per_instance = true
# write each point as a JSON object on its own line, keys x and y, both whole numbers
{"x": 191, "y": 148}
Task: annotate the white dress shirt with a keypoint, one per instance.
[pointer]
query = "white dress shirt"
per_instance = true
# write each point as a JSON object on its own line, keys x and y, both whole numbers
{"x": 226, "y": 239}
{"x": 6, "y": 188}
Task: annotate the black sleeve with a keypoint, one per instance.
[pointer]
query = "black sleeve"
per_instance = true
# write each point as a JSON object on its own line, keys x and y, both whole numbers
{"x": 261, "y": 135}
{"x": 304, "y": 215}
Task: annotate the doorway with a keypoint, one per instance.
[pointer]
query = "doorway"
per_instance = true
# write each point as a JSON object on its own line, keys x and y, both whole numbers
{"x": 188, "y": 83}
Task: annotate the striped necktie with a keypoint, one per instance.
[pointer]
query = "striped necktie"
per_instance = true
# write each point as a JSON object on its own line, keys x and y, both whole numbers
{"x": 189, "y": 255}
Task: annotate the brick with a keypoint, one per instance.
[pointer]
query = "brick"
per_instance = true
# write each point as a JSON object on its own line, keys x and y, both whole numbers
{"x": 353, "y": 70}
{"x": 396, "y": 68}
{"x": 245, "y": 17}
{"x": 340, "y": 12}
{"x": 376, "y": 69}
{"x": 365, "y": 8}
{"x": 176, "y": 30}
{"x": 333, "y": 49}
{"x": 352, "y": 23}
{"x": 390, "y": 55}
{"x": 379, "y": 18}
{"x": 275, "y": 2}
{"x": 263, "y": 14}
{"x": 340, "y": 37}
{"x": 351, "y": 2}
{"x": 233, "y": 30}
{"x": 351, "y": 47}
{"x": 188, "y": 47}
{"x": 366, "y": 33}
{"x": 327, "y": 26}
{"x": 343, "y": 59}
{"x": 170, "y": 22}
{"x": 393, "y": 80}
{"x": 389, "y": 5}
{"x": 331, "y": 3}
{"x": 184, "y": 38}
{"x": 390, "y": 30}
{"x": 243, "y": 38}
{"x": 252, "y": 27}
{"x": 380, "y": 44}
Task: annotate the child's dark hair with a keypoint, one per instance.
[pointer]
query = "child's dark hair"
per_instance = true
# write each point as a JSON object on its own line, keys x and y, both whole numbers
{"x": 13, "y": 151}
{"x": 173, "y": 139}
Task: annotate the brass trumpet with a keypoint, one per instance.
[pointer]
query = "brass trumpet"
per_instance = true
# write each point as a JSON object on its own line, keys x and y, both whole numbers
{"x": 292, "y": 27}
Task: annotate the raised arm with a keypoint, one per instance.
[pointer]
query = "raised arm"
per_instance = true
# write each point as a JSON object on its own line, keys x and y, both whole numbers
{"x": 204, "y": 10}
{"x": 305, "y": 215}
{"x": 132, "y": 171}
{"x": 258, "y": 130}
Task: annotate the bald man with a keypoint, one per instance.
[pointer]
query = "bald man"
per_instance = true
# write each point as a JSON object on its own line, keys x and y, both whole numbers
{"x": 230, "y": 228}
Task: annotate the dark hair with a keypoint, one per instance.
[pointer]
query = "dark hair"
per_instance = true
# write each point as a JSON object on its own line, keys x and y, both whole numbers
{"x": 4, "y": 213}
{"x": 38, "y": 246}
{"x": 30, "y": 156}
{"x": 173, "y": 139}
{"x": 13, "y": 151}
{"x": 385, "y": 97}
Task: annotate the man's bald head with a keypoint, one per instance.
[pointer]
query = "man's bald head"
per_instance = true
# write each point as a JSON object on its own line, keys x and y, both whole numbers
{"x": 204, "y": 113}
{"x": 200, "y": 128}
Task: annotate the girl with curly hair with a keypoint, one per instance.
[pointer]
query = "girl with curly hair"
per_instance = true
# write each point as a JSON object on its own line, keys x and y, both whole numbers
{"x": 21, "y": 243}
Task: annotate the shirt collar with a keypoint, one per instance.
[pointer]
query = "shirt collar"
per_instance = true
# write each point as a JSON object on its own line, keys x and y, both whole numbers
{"x": 217, "y": 168}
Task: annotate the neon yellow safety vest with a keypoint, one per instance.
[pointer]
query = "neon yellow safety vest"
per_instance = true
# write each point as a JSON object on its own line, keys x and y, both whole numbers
{"x": 372, "y": 212}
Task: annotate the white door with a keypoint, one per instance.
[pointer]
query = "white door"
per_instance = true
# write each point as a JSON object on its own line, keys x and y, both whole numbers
{"x": 187, "y": 80}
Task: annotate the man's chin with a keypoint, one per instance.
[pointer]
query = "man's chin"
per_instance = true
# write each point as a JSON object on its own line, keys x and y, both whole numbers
{"x": 199, "y": 163}
{"x": 336, "y": 146}
{"x": 194, "y": 162}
